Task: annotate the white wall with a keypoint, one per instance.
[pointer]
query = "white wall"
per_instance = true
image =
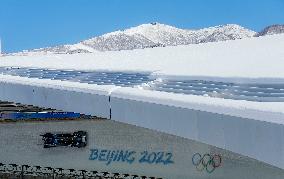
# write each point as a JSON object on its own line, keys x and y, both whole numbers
{"x": 250, "y": 137}
{"x": 21, "y": 143}
{"x": 67, "y": 100}
{"x": 260, "y": 140}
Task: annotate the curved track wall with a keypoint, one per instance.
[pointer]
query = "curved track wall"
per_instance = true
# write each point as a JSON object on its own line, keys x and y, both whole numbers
{"x": 21, "y": 143}
{"x": 258, "y": 139}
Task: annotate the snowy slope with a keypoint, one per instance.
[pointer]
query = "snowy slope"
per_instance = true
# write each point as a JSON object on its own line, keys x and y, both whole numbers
{"x": 261, "y": 57}
{"x": 150, "y": 35}
{"x": 61, "y": 49}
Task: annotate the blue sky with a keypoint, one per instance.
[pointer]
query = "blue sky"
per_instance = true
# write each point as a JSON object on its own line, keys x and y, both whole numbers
{"x": 28, "y": 24}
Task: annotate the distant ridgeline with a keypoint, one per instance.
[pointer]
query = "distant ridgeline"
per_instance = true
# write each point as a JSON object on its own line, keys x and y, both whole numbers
{"x": 156, "y": 35}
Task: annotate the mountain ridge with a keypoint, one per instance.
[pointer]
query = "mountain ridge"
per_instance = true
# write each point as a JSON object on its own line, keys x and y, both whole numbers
{"x": 271, "y": 30}
{"x": 150, "y": 35}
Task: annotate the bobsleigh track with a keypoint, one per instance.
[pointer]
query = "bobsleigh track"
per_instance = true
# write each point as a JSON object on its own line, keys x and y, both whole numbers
{"x": 161, "y": 113}
{"x": 138, "y": 151}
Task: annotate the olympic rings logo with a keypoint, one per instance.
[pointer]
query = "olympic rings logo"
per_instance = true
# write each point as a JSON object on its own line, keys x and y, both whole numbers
{"x": 207, "y": 162}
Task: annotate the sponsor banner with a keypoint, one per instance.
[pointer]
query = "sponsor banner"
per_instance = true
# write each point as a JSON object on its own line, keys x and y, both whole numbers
{"x": 38, "y": 115}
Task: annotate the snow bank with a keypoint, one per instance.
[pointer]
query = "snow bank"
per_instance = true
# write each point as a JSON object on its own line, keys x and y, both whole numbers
{"x": 252, "y": 58}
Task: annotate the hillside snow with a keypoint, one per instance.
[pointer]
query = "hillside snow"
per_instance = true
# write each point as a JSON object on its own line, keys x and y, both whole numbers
{"x": 149, "y": 36}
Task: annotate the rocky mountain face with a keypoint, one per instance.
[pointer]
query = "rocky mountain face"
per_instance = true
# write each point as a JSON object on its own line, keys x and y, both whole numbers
{"x": 271, "y": 30}
{"x": 157, "y": 35}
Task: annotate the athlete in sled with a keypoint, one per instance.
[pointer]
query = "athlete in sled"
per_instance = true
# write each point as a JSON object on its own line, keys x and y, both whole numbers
{"x": 76, "y": 139}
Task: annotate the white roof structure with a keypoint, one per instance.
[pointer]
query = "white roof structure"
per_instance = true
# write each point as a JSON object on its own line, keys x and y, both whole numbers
{"x": 227, "y": 94}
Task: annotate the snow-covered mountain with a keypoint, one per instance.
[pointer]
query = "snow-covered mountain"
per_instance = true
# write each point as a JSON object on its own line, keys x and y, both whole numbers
{"x": 155, "y": 34}
{"x": 151, "y": 35}
{"x": 271, "y": 30}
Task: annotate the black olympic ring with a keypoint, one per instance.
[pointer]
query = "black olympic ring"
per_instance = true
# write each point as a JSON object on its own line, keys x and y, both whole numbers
{"x": 207, "y": 162}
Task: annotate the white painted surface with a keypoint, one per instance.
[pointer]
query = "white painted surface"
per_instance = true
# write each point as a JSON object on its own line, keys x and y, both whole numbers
{"x": 260, "y": 140}
{"x": 263, "y": 111}
{"x": 266, "y": 111}
{"x": 247, "y": 130}
{"x": 88, "y": 101}
{"x": 21, "y": 143}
